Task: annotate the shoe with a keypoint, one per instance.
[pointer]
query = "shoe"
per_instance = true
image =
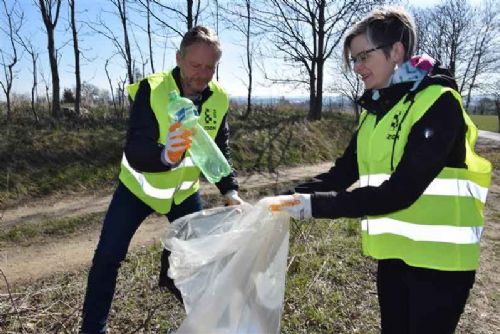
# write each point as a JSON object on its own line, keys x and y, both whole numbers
{"x": 168, "y": 284}
{"x": 164, "y": 280}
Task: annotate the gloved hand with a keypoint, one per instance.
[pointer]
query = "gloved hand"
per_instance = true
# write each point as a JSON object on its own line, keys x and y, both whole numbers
{"x": 178, "y": 141}
{"x": 297, "y": 205}
{"x": 232, "y": 198}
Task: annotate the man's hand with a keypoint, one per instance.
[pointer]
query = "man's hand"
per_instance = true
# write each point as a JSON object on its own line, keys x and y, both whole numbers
{"x": 178, "y": 141}
{"x": 232, "y": 198}
{"x": 297, "y": 205}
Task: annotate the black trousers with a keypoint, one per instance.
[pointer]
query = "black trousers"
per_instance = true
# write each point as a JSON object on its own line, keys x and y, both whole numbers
{"x": 420, "y": 301}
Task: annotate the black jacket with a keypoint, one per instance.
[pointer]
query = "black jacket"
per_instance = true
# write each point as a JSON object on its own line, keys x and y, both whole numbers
{"x": 435, "y": 141}
{"x": 142, "y": 149}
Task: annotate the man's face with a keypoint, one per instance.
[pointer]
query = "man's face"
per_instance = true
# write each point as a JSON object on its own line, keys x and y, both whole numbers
{"x": 197, "y": 67}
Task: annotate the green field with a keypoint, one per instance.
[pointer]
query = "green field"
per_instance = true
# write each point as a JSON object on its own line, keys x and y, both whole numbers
{"x": 486, "y": 122}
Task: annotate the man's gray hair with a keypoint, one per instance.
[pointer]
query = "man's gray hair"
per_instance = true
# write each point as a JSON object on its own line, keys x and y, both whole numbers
{"x": 200, "y": 34}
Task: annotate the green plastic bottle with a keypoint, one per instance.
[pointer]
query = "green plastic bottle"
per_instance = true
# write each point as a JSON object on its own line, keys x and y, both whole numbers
{"x": 205, "y": 153}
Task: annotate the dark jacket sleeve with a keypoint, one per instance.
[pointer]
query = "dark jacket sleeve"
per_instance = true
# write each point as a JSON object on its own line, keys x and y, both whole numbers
{"x": 141, "y": 148}
{"x": 340, "y": 177}
{"x": 435, "y": 141}
{"x": 222, "y": 140}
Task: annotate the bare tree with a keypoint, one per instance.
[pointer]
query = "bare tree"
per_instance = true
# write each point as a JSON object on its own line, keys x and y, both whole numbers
{"x": 463, "y": 38}
{"x": 46, "y": 85}
{"x": 139, "y": 74}
{"x": 484, "y": 51}
{"x": 13, "y": 23}
{"x": 239, "y": 16}
{"x": 110, "y": 85}
{"x": 50, "y": 10}
{"x": 217, "y": 19}
{"x": 121, "y": 94}
{"x": 121, "y": 6}
{"x": 150, "y": 44}
{"x": 305, "y": 33}
{"x": 34, "y": 54}
{"x": 348, "y": 84}
{"x": 122, "y": 45}
{"x": 190, "y": 15}
{"x": 76, "y": 50}
{"x": 445, "y": 31}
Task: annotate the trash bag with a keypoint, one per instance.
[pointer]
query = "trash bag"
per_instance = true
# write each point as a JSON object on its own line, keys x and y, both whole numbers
{"x": 229, "y": 264}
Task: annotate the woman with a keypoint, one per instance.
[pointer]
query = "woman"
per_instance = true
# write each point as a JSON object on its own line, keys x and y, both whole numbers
{"x": 422, "y": 187}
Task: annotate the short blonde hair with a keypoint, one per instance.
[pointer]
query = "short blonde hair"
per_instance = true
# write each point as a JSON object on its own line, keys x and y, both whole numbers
{"x": 384, "y": 26}
{"x": 201, "y": 34}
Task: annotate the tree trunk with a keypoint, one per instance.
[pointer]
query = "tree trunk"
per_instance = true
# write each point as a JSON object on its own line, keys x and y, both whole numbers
{"x": 111, "y": 87}
{"x": 320, "y": 61}
{"x": 312, "y": 94}
{"x": 33, "y": 88}
{"x": 149, "y": 35}
{"x": 50, "y": 23}
{"x": 56, "y": 104}
{"x": 249, "y": 62}
{"x": 319, "y": 93}
{"x": 128, "y": 56}
{"x": 189, "y": 16}
{"x": 8, "y": 65}
{"x": 78, "y": 84}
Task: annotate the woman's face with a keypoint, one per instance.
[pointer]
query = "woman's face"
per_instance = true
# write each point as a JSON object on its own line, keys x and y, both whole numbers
{"x": 370, "y": 63}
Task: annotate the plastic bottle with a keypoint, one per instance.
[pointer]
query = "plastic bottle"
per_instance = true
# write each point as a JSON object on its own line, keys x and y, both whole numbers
{"x": 205, "y": 153}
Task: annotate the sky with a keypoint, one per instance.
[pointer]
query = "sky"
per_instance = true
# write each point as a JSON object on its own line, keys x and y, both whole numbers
{"x": 96, "y": 49}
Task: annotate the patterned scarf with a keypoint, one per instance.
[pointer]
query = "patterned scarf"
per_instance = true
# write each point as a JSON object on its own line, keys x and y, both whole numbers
{"x": 413, "y": 70}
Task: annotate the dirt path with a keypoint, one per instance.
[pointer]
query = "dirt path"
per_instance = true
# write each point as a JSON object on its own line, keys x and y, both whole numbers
{"x": 22, "y": 264}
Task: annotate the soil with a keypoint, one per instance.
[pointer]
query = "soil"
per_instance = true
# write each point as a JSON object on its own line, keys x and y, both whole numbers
{"x": 27, "y": 263}
{"x": 24, "y": 264}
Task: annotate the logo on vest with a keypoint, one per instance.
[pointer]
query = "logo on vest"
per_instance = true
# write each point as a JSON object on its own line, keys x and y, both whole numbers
{"x": 394, "y": 128}
{"x": 210, "y": 119}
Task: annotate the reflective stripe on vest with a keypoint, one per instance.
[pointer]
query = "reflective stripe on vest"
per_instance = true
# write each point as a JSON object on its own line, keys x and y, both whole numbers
{"x": 158, "y": 190}
{"x": 442, "y": 228}
{"x": 443, "y": 187}
{"x": 417, "y": 232}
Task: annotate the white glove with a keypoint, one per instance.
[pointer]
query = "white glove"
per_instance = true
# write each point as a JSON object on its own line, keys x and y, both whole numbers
{"x": 232, "y": 198}
{"x": 178, "y": 141}
{"x": 297, "y": 205}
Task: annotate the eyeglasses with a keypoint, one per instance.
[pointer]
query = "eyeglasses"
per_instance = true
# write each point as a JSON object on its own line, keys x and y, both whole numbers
{"x": 363, "y": 55}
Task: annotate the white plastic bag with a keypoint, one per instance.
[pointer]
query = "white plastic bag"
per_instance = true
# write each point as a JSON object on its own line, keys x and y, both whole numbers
{"x": 229, "y": 264}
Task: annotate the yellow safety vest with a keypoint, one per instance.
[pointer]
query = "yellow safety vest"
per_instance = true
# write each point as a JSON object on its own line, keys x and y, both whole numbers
{"x": 442, "y": 229}
{"x": 158, "y": 190}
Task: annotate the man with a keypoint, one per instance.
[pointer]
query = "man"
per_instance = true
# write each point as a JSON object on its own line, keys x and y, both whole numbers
{"x": 157, "y": 177}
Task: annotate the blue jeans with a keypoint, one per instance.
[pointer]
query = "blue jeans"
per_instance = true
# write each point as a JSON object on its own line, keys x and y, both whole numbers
{"x": 125, "y": 214}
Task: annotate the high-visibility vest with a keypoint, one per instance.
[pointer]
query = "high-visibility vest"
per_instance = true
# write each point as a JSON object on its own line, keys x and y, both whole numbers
{"x": 442, "y": 229}
{"x": 159, "y": 189}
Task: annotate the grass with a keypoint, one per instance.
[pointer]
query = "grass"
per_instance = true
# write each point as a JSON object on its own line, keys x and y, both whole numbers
{"x": 330, "y": 289}
{"x": 486, "y": 122}
{"x": 329, "y": 282}
{"x": 38, "y": 161}
{"x": 24, "y": 234}
{"x": 63, "y": 157}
